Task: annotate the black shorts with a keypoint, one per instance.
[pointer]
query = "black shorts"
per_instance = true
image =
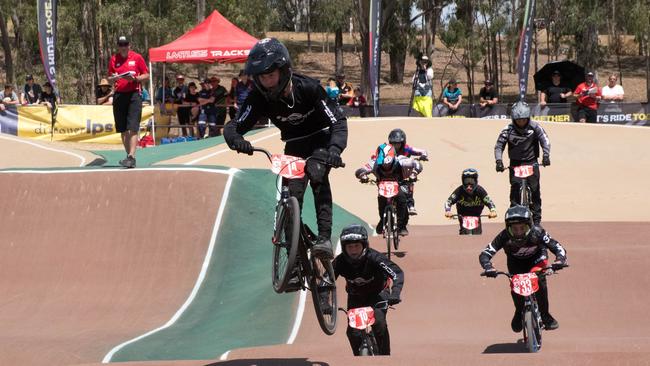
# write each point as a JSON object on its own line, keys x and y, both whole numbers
{"x": 590, "y": 115}
{"x": 127, "y": 111}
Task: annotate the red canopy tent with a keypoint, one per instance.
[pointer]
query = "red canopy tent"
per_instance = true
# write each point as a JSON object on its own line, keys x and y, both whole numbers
{"x": 214, "y": 40}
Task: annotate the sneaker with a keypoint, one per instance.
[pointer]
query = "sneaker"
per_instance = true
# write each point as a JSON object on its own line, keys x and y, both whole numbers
{"x": 322, "y": 248}
{"x": 516, "y": 323}
{"x": 403, "y": 232}
{"x": 294, "y": 283}
{"x": 379, "y": 229}
{"x": 128, "y": 162}
{"x": 549, "y": 322}
{"x": 412, "y": 211}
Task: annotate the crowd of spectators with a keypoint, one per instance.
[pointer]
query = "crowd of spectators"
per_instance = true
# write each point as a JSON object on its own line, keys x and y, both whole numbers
{"x": 31, "y": 94}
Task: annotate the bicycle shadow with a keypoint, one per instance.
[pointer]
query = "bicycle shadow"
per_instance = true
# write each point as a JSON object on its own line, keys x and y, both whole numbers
{"x": 518, "y": 347}
{"x": 270, "y": 362}
{"x": 400, "y": 254}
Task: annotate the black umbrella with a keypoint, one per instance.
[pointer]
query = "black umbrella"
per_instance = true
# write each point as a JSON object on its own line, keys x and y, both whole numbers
{"x": 572, "y": 74}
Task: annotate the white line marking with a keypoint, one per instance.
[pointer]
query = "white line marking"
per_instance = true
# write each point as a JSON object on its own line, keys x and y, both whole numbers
{"x": 224, "y": 356}
{"x": 228, "y": 149}
{"x": 83, "y": 160}
{"x": 199, "y": 280}
{"x": 299, "y": 313}
{"x": 118, "y": 170}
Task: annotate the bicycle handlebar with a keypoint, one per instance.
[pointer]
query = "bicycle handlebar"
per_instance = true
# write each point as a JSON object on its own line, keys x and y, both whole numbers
{"x": 269, "y": 155}
{"x": 381, "y": 305}
{"x": 455, "y": 216}
{"x": 541, "y": 272}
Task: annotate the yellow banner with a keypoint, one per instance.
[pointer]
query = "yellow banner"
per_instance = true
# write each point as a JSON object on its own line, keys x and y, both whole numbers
{"x": 83, "y": 123}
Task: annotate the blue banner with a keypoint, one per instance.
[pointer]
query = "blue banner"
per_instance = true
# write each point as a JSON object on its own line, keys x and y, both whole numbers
{"x": 525, "y": 44}
{"x": 47, "y": 18}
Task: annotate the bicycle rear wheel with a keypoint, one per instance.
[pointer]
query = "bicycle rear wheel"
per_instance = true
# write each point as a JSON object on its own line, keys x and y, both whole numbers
{"x": 323, "y": 291}
{"x": 388, "y": 228}
{"x": 532, "y": 334}
{"x": 524, "y": 198}
{"x": 395, "y": 230}
{"x": 284, "y": 250}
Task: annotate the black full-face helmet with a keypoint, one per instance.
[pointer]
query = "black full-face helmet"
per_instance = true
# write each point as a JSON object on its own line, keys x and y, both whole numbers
{"x": 354, "y": 234}
{"x": 397, "y": 138}
{"x": 266, "y": 56}
{"x": 469, "y": 179}
{"x": 515, "y": 215}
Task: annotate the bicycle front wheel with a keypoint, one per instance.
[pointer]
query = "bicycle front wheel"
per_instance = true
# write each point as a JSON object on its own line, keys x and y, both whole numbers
{"x": 396, "y": 236}
{"x": 286, "y": 247}
{"x": 388, "y": 228}
{"x": 532, "y": 332}
{"x": 323, "y": 292}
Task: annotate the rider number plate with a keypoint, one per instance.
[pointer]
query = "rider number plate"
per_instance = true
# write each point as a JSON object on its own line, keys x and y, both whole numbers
{"x": 524, "y": 284}
{"x": 288, "y": 166}
{"x": 470, "y": 222}
{"x": 388, "y": 188}
{"x": 361, "y": 318}
{"x": 524, "y": 171}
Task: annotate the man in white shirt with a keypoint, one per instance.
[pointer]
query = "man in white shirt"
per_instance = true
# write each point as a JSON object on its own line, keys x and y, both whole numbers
{"x": 613, "y": 92}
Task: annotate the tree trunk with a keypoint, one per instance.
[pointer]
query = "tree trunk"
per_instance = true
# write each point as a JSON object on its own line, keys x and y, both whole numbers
{"x": 647, "y": 70}
{"x": 6, "y": 47}
{"x": 397, "y": 59}
{"x": 309, "y": 26}
{"x": 338, "y": 50}
{"x": 587, "y": 47}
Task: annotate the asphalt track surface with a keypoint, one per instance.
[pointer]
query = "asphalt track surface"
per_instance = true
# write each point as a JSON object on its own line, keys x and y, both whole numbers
{"x": 449, "y": 316}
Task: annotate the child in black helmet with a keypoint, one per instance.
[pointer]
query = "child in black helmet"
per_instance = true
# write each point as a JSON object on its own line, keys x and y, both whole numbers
{"x": 371, "y": 278}
{"x": 308, "y": 126}
{"x": 469, "y": 198}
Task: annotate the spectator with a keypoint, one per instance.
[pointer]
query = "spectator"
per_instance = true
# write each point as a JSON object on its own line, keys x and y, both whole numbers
{"x": 332, "y": 91}
{"x": 169, "y": 94}
{"x": 104, "y": 93}
{"x": 48, "y": 97}
{"x": 182, "y": 112}
{"x": 452, "y": 96}
{"x": 8, "y": 97}
{"x": 207, "y": 114}
{"x": 244, "y": 87}
{"x": 231, "y": 100}
{"x": 423, "y": 87}
{"x": 345, "y": 89}
{"x": 589, "y": 96}
{"x": 487, "y": 96}
{"x": 146, "y": 98}
{"x": 613, "y": 92}
{"x": 556, "y": 93}
{"x": 31, "y": 92}
{"x": 358, "y": 100}
{"x": 192, "y": 100}
{"x": 220, "y": 94}
{"x": 127, "y": 70}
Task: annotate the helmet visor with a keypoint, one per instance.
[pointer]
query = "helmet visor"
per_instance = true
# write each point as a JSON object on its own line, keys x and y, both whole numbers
{"x": 519, "y": 230}
{"x": 354, "y": 249}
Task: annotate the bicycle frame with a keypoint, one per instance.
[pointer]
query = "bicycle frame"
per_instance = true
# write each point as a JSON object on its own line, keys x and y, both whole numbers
{"x": 521, "y": 173}
{"x": 469, "y": 225}
{"x": 363, "y": 319}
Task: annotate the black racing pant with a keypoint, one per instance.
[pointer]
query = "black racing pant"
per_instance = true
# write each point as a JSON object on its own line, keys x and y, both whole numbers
{"x": 518, "y": 266}
{"x": 401, "y": 199}
{"x": 410, "y": 200}
{"x": 536, "y": 195}
{"x": 320, "y": 185}
{"x": 184, "y": 115}
{"x": 379, "y": 329}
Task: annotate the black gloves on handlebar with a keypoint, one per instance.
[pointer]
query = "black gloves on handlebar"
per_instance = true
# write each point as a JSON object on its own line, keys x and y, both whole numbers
{"x": 334, "y": 157}
{"x": 560, "y": 262}
{"x": 490, "y": 272}
{"x": 424, "y": 158}
{"x": 546, "y": 160}
{"x": 242, "y": 146}
{"x": 392, "y": 297}
{"x": 500, "y": 166}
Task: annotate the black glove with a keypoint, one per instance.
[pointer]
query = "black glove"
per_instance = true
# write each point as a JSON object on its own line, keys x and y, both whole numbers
{"x": 490, "y": 272}
{"x": 242, "y": 146}
{"x": 560, "y": 262}
{"x": 334, "y": 157}
{"x": 393, "y": 300}
{"x": 364, "y": 179}
{"x": 500, "y": 166}
{"x": 424, "y": 158}
{"x": 546, "y": 160}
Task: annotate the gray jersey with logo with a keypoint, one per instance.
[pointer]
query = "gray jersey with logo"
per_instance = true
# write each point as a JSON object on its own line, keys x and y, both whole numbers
{"x": 523, "y": 144}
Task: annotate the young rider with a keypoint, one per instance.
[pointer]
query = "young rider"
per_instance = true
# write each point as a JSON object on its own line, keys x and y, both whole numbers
{"x": 470, "y": 198}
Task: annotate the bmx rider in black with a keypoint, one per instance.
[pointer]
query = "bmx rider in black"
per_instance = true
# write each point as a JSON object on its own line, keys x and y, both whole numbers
{"x": 370, "y": 278}
{"x": 523, "y": 137}
{"x": 297, "y": 105}
{"x": 469, "y": 198}
{"x": 526, "y": 246}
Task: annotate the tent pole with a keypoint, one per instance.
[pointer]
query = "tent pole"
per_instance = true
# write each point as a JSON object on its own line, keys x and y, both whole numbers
{"x": 153, "y": 116}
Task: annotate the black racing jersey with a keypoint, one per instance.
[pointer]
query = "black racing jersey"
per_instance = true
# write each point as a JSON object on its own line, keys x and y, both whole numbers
{"x": 365, "y": 280}
{"x": 535, "y": 247}
{"x": 523, "y": 146}
{"x": 469, "y": 204}
{"x": 300, "y": 115}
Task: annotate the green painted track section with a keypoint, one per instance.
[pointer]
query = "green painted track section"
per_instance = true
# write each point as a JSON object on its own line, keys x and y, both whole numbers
{"x": 152, "y": 155}
{"x": 236, "y": 306}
